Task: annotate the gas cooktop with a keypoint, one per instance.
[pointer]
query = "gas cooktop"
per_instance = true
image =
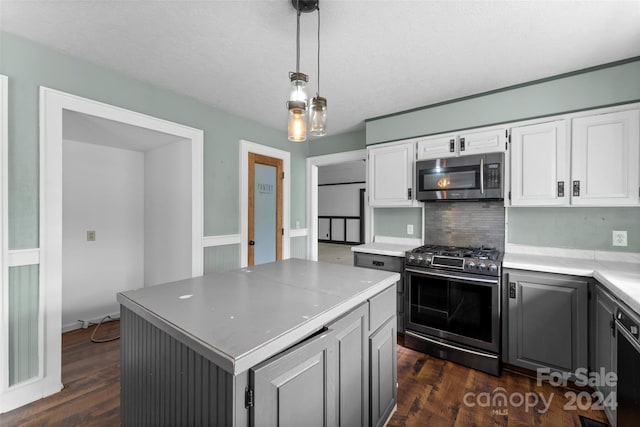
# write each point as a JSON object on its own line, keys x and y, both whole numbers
{"x": 478, "y": 260}
{"x": 459, "y": 251}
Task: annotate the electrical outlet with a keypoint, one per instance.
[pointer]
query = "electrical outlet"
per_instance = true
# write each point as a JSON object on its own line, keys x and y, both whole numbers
{"x": 409, "y": 228}
{"x": 91, "y": 235}
{"x": 619, "y": 238}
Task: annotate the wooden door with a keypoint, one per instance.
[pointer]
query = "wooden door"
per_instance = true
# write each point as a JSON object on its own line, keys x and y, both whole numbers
{"x": 265, "y": 209}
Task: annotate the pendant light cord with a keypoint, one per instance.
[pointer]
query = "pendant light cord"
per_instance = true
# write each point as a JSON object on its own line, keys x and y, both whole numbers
{"x": 318, "y": 92}
{"x": 298, "y": 39}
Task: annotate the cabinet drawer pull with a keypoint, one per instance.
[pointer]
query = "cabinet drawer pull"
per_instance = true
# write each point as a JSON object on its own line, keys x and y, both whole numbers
{"x": 378, "y": 263}
{"x": 560, "y": 188}
{"x": 576, "y": 188}
{"x": 452, "y": 145}
{"x": 461, "y": 144}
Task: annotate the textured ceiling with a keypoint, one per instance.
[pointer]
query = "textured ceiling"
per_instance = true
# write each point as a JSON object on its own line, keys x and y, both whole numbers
{"x": 377, "y": 57}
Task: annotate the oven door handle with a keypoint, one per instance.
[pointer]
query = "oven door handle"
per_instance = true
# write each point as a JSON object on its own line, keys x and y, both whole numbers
{"x": 451, "y": 276}
{"x": 481, "y": 175}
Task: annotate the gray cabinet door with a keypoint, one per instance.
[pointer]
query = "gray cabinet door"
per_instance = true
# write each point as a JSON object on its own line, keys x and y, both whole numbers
{"x": 547, "y": 321}
{"x": 352, "y": 351}
{"x": 389, "y": 263}
{"x": 384, "y": 374}
{"x": 604, "y": 342}
{"x": 297, "y": 386}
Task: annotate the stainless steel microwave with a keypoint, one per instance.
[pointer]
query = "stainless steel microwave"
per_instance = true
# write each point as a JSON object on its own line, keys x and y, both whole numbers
{"x": 474, "y": 177}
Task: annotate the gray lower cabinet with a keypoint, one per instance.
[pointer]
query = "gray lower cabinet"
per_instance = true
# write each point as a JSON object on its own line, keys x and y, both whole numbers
{"x": 603, "y": 339}
{"x": 297, "y": 385}
{"x": 384, "y": 376}
{"x": 345, "y": 375}
{"x": 546, "y": 320}
{"x": 352, "y": 353}
{"x": 388, "y": 263}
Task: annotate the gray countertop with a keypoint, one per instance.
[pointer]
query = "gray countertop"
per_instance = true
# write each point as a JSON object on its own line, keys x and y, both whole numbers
{"x": 242, "y": 317}
{"x": 391, "y": 246}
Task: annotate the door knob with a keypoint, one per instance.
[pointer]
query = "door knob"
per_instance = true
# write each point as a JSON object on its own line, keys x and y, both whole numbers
{"x": 251, "y": 243}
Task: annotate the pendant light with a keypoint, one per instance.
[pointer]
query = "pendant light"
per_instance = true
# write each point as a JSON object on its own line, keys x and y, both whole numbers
{"x": 298, "y": 104}
{"x": 318, "y": 112}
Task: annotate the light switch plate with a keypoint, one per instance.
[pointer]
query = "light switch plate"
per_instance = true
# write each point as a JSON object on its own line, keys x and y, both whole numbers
{"x": 619, "y": 238}
{"x": 91, "y": 236}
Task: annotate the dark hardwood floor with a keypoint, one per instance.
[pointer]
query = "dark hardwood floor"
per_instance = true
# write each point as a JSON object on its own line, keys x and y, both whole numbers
{"x": 431, "y": 392}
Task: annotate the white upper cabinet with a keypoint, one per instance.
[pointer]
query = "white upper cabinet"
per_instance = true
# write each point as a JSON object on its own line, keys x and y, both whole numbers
{"x": 599, "y": 165}
{"x": 477, "y": 141}
{"x": 437, "y": 147}
{"x": 605, "y": 159}
{"x": 540, "y": 165}
{"x": 390, "y": 180}
{"x": 486, "y": 141}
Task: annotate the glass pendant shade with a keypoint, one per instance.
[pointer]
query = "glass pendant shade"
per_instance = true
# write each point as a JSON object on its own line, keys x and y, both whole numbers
{"x": 318, "y": 116}
{"x": 297, "y": 127}
{"x": 298, "y": 88}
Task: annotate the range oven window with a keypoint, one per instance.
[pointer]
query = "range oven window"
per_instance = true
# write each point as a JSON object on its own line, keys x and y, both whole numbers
{"x": 453, "y": 178}
{"x": 453, "y": 305}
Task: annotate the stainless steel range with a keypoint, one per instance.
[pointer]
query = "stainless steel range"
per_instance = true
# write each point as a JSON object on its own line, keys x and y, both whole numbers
{"x": 453, "y": 300}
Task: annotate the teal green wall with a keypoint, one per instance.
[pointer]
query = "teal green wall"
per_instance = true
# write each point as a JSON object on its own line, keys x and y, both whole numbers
{"x": 350, "y": 141}
{"x": 29, "y": 65}
{"x": 617, "y": 84}
{"x": 393, "y": 222}
{"x": 575, "y": 228}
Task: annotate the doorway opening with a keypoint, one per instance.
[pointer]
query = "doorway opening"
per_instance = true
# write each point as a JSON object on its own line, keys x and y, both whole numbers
{"x": 54, "y": 107}
{"x": 337, "y": 207}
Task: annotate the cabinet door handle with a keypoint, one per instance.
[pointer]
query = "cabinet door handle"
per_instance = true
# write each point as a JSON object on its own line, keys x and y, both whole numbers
{"x": 378, "y": 263}
{"x": 408, "y": 194}
{"x": 512, "y": 290}
{"x": 452, "y": 145}
{"x": 461, "y": 144}
{"x": 576, "y": 188}
{"x": 560, "y": 188}
{"x": 612, "y": 324}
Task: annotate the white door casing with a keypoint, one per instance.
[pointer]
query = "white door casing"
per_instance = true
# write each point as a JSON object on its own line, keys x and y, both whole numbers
{"x": 52, "y": 104}
{"x": 4, "y": 268}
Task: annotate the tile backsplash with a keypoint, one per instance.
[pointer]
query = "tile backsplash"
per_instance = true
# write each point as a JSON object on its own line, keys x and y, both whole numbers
{"x": 465, "y": 224}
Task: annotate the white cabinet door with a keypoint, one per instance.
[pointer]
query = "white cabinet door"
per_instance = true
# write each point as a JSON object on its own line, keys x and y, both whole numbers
{"x": 605, "y": 158}
{"x": 489, "y": 141}
{"x": 437, "y": 147}
{"x": 540, "y": 165}
{"x": 391, "y": 175}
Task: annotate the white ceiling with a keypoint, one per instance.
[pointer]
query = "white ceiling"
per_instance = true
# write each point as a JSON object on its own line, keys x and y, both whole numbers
{"x": 377, "y": 58}
{"x": 89, "y": 129}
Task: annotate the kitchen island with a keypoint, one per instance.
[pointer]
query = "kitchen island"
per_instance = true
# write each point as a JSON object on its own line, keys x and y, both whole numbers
{"x": 272, "y": 344}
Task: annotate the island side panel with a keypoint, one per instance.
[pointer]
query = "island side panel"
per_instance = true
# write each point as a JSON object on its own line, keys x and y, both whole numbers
{"x": 166, "y": 383}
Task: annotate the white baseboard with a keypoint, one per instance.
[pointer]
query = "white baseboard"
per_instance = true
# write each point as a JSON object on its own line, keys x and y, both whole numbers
{"x": 84, "y": 323}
